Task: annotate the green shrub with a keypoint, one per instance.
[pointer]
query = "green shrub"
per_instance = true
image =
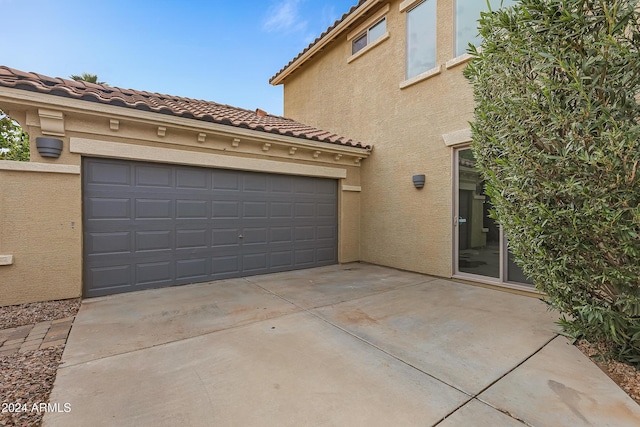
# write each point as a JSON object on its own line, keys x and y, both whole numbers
{"x": 14, "y": 142}
{"x": 556, "y": 134}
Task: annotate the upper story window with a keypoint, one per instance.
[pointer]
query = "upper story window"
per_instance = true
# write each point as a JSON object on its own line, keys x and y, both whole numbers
{"x": 467, "y": 15}
{"x": 421, "y": 38}
{"x": 372, "y": 34}
{"x": 369, "y": 34}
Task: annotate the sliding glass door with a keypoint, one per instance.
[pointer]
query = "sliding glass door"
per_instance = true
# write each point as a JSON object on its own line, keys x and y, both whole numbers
{"x": 480, "y": 249}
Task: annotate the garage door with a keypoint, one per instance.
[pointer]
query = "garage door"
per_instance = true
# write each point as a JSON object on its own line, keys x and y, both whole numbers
{"x": 150, "y": 225}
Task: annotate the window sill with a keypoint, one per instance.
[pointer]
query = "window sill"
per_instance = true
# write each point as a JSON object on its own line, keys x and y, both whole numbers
{"x": 367, "y": 48}
{"x": 421, "y": 77}
{"x": 462, "y": 59}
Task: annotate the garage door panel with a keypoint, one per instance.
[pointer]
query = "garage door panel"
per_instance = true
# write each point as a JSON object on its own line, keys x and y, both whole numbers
{"x": 153, "y": 241}
{"x": 281, "y": 259}
{"x": 281, "y": 210}
{"x": 304, "y": 256}
{"x": 326, "y": 255}
{"x": 254, "y": 262}
{"x": 225, "y": 237}
{"x": 192, "y": 179}
{"x": 305, "y": 186}
{"x": 191, "y": 239}
{"x": 225, "y": 209}
{"x": 327, "y": 232}
{"x": 326, "y": 210}
{"x": 108, "y": 208}
{"x": 153, "y": 209}
{"x": 154, "y": 273}
{"x": 281, "y": 184}
{"x": 281, "y": 235}
{"x": 305, "y": 210}
{"x": 102, "y": 173}
{"x": 105, "y": 280}
{"x": 326, "y": 187}
{"x": 154, "y": 176}
{"x": 305, "y": 233}
{"x": 254, "y": 210}
{"x": 225, "y": 264}
{"x": 226, "y": 180}
{"x": 254, "y": 183}
{"x": 192, "y": 269}
{"x": 153, "y": 225}
{"x": 192, "y": 209}
{"x": 253, "y": 236}
{"x": 109, "y": 243}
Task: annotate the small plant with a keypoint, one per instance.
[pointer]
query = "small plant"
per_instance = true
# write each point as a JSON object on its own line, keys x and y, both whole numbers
{"x": 556, "y": 134}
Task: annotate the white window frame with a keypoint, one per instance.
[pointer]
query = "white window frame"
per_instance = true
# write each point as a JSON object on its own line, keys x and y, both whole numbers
{"x": 364, "y": 28}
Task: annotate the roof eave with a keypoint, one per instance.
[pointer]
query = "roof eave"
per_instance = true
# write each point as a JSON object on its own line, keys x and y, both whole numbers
{"x": 328, "y": 38}
{"x": 40, "y": 100}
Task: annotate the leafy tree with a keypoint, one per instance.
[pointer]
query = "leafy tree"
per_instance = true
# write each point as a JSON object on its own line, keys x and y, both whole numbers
{"x": 556, "y": 134}
{"x": 86, "y": 77}
{"x": 14, "y": 142}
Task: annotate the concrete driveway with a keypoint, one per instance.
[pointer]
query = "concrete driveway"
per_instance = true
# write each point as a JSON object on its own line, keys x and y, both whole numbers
{"x": 350, "y": 345}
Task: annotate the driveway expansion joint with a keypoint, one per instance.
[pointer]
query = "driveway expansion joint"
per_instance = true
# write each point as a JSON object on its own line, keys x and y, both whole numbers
{"x": 317, "y": 316}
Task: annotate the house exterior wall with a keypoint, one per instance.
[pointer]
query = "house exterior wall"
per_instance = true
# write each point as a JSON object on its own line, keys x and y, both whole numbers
{"x": 41, "y": 200}
{"x": 41, "y": 229}
{"x": 401, "y": 226}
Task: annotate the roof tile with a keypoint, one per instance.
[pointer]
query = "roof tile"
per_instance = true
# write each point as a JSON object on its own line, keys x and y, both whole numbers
{"x": 172, "y": 105}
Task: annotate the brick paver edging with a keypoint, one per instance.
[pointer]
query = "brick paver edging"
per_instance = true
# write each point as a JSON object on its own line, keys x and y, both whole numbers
{"x": 35, "y": 337}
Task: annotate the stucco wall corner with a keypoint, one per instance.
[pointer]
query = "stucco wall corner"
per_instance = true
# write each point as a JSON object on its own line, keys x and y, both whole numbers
{"x": 41, "y": 229}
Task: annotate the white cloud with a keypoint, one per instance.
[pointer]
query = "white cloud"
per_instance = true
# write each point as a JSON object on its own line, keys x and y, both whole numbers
{"x": 284, "y": 16}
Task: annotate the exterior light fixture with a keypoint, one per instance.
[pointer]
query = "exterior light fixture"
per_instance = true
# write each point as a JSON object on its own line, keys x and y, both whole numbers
{"x": 418, "y": 181}
{"x": 49, "y": 147}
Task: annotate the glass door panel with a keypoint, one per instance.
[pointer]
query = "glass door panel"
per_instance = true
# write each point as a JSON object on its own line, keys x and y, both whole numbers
{"x": 479, "y": 251}
{"x": 478, "y": 235}
{"x": 514, "y": 271}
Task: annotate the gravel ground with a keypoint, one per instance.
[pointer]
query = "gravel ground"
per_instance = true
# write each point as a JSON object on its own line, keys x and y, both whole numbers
{"x": 626, "y": 376}
{"x": 27, "y": 378}
{"x": 26, "y": 314}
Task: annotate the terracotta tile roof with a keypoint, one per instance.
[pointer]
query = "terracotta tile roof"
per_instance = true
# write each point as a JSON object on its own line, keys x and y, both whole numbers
{"x": 172, "y": 105}
{"x": 320, "y": 37}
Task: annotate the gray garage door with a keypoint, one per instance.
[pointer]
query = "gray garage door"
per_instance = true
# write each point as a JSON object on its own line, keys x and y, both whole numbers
{"x": 150, "y": 225}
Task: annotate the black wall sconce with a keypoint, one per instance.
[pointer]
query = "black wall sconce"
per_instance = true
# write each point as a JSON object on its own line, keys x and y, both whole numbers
{"x": 49, "y": 147}
{"x": 418, "y": 181}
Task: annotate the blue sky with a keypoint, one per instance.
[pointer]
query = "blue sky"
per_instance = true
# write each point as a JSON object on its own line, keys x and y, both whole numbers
{"x": 222, "y": 51}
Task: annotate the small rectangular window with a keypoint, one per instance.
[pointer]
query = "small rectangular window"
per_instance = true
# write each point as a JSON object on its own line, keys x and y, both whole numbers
{"x": 378, "y": 30}
{"x": 372, "y": 34}
{"x": 421, "y": 38}
{"x": 359, "y": 43}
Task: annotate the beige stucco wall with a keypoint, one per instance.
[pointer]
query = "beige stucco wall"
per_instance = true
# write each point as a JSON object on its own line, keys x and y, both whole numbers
{"x": 41, "y": 229}
{"x": 401, "y": 226}
{"x": 41, "y": 212}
